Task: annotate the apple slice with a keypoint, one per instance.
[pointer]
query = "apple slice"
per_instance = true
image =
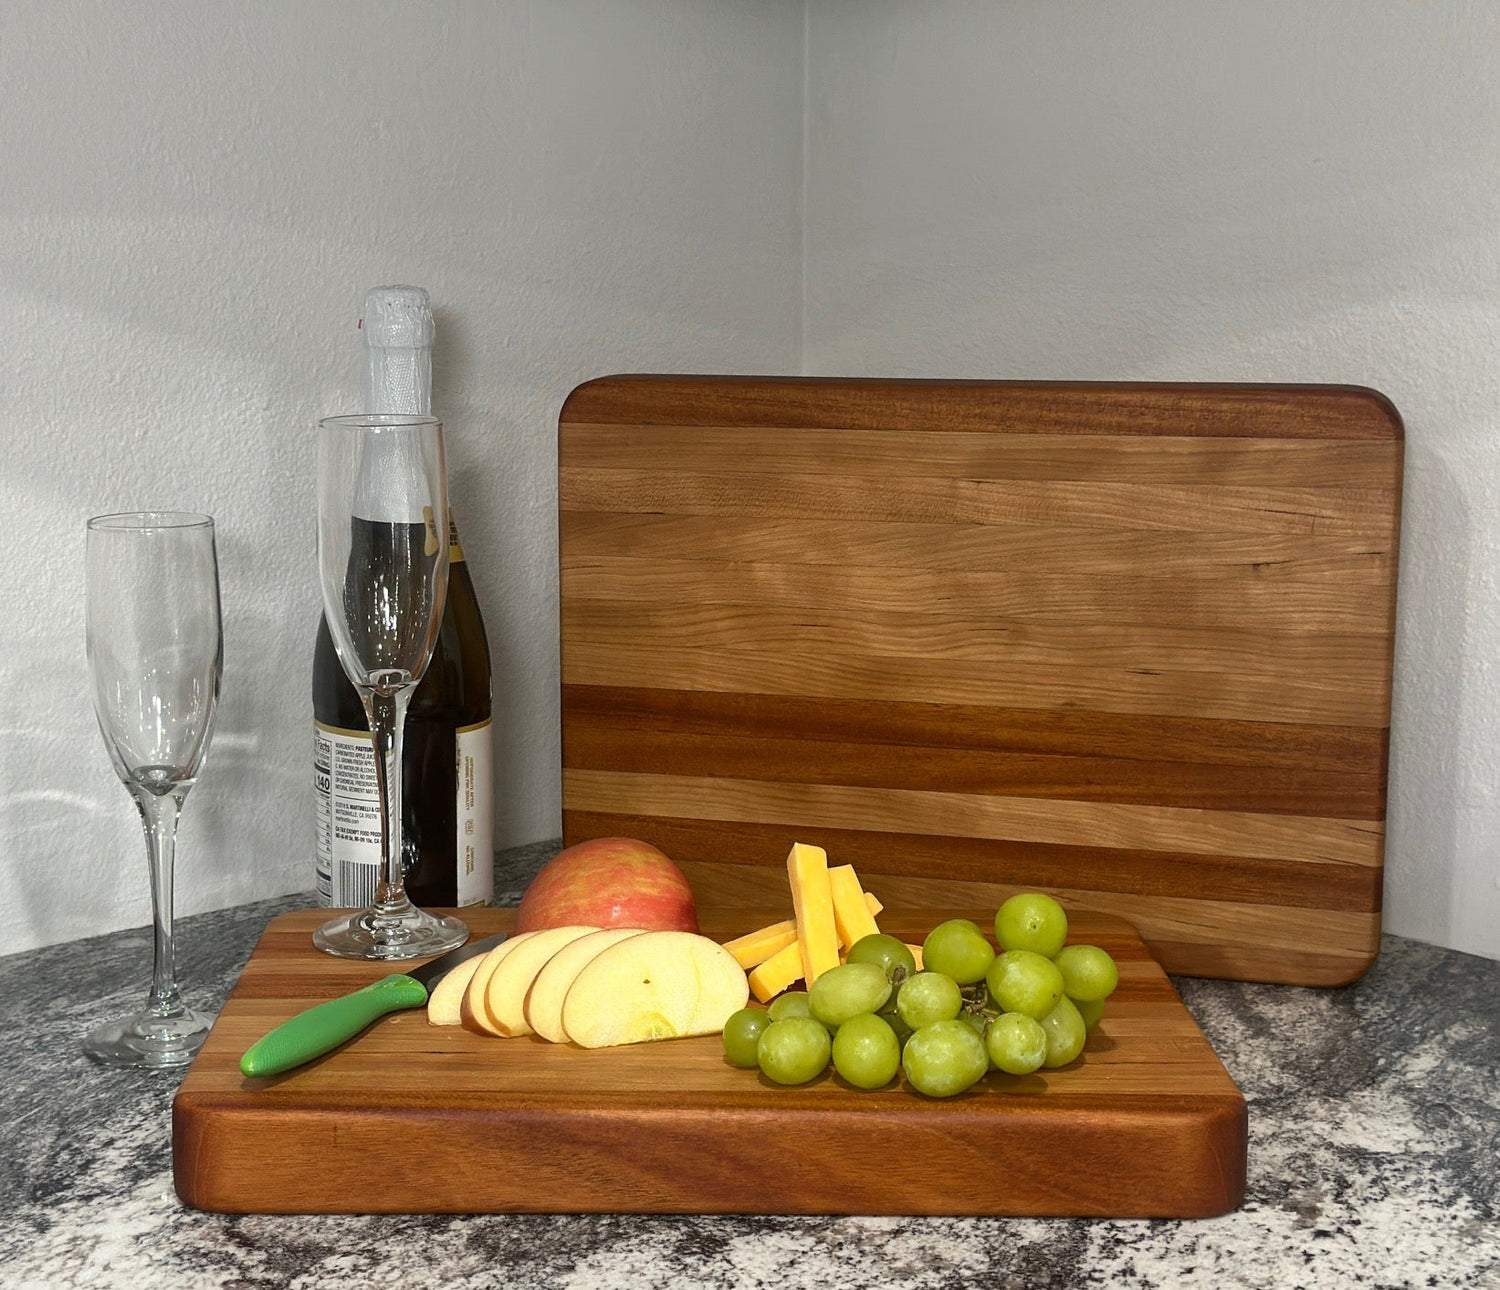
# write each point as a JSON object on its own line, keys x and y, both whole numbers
{"x": 473, "y": 1015}
{"x": 505, "y": 991}
{"x": 445, "y": 1003}
{"x": 544, "y": 1004}
{"x": 658, "y": 985}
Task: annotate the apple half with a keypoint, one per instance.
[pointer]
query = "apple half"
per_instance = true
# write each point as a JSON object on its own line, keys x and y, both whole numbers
{"x": 658, "y": 985}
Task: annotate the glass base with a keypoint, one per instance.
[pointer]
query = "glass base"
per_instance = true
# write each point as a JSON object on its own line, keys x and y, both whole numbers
{"x": 411, "y": 934}
{"x": 146, "y": 1039}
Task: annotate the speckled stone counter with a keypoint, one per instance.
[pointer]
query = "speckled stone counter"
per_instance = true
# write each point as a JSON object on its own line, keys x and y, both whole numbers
{"x": 1374, "y": 1160}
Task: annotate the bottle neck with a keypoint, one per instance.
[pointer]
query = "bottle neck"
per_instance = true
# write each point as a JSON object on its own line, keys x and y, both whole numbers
{"x": 399, "y": 381}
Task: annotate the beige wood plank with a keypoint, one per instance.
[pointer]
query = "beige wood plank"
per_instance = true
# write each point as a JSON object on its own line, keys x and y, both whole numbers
{"x": 814, "y": 539}
{"x": 1205, "y": 508}
{"x": 1018, "y": 819}
{"x": 1080, "y": 597}
{"x": 973, "y": 633}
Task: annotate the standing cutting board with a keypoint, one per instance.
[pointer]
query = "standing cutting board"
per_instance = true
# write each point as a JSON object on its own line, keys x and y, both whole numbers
{"x": 1130, "y": 644}
{"x": 412, "y": 1118}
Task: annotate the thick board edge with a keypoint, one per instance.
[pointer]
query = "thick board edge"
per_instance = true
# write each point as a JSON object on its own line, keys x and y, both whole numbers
{"x": 1182, "y": 1158}
{"x": 820, "y": 402}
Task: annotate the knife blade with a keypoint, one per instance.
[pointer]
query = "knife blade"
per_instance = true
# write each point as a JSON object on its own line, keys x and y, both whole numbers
{"x": 327, "y": 1025}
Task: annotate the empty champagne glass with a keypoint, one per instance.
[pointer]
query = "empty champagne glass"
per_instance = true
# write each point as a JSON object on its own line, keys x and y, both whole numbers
{"x": 155, "y": 650}
{"x": 383, "y": 565}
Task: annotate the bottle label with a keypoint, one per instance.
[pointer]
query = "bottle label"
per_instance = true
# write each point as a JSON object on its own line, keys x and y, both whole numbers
{"x": 475, "y": 816}
{"x": 347, "y": 807}
{"x": 347, "y": 810}
{"x": 455, "y": 547}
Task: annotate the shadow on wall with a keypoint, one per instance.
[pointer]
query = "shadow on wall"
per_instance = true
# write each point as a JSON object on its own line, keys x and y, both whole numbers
{"x": 1428, "y": 708}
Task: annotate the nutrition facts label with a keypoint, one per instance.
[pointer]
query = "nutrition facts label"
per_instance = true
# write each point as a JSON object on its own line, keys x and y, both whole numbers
{"x": 347, "y": 811}
{"x": 347, "y": 808}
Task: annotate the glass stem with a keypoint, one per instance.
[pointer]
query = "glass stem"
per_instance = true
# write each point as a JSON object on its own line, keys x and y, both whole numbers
{"x": 386, "y": 711}
{"x": 159, "y": 815}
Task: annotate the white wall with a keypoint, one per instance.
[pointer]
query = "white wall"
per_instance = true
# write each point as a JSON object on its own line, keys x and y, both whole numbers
{"x": 194, "y": 198}
{"x": 1188, "y": 191}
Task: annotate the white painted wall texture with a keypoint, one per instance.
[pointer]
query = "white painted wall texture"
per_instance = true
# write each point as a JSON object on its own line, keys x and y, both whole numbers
{"x": 193, "y": 199}
{"x": 1277, "y": 191}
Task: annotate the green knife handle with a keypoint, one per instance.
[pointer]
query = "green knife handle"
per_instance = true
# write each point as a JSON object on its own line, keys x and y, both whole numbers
{"x": 312, "y": 1033}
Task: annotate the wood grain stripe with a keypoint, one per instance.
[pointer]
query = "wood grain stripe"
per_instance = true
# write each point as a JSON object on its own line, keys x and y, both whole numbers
{"x": 1040, "y": 407}
{"x": 593, "y": 745}
{"x": 1161, "y": 459}
{"x": 1031, "y": 866}
{"x": 1343, "y": 749}
{"x": 588, "y": 535}
{"x": 1341, "y": 663}
{"x": 1307, "y": 840}
{"x": 1196, "y": 695}
{"x": 1206, "y": 508}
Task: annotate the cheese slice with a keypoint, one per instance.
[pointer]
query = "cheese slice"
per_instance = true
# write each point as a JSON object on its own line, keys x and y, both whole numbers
{"x": 851, "y": 912}
{"x": 754, "y": 948}
{"x": 777, "y": 972}
{"x": 812, "y": 900}
{"x": 916, "y": 953}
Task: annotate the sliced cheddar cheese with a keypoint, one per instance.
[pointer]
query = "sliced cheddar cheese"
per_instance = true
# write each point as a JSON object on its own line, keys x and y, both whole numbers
{"x": 812, "y": 901}
{"x": 851, "y": 912}
{"x": 779, "y": 971}
{"x": 916, "y": 953}
{"x": 754, "y": 948}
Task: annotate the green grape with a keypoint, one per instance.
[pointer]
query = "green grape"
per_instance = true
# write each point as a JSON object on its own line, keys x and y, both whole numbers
{"x": 793, "y": 1050}
{"x": 944, "y": 1058}
{"x": 1031, "y": 921}
{"x": 1089, "y": 974}
{"x": 1092, "y": 1011}
{"x": 866, "y": 1051}
{"x": 1017, "y": 1043}
{"x": 742, "y": 1035}
{"x": 928, "y": 997}
{"x": 976, "y": 1021}
{"x": 886, "y": 952}
{"x": 1065, "y": 1034}
{"x": 958, "y": 949}
{"x": 1021, "y": 981}
{"x": 793, "y": 1003}
{"x": 847, "y": 991}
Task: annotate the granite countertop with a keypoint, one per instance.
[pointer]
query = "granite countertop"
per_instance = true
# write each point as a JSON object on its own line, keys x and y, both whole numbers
{"x": 1374, "y": 1159}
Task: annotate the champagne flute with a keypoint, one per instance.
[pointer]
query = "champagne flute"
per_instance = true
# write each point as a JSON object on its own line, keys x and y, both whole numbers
{"x": 383, "y": 564}
{"x": 156, "y": 653}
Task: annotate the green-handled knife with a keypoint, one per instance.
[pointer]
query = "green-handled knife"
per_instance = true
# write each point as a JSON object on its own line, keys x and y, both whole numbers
{"x": 323, "y": 1027}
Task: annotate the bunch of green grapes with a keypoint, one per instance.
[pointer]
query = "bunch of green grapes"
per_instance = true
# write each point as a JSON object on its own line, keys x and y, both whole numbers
{"x": 968, "y": 1010}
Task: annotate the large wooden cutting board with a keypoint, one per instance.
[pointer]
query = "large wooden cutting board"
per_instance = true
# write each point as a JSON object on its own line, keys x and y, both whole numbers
{"x": 414, "y": 1118}
{"x": 1130, "y": 644}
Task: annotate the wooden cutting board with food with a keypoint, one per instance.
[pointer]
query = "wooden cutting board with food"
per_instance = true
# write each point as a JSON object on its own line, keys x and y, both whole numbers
{"x": 587, "y": 1064}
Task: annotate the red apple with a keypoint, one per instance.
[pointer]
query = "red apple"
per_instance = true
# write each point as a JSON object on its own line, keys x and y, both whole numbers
{"x": 609, "y": 882}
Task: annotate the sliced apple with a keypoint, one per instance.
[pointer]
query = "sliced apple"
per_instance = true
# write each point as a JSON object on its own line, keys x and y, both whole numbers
{"x": 445, "y": 1003}
{"x": 658, "y": 985}
{"x": 473, "y": 1015}
{"x": 544, "y": 1003}
{"x": 505, "y": 991}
